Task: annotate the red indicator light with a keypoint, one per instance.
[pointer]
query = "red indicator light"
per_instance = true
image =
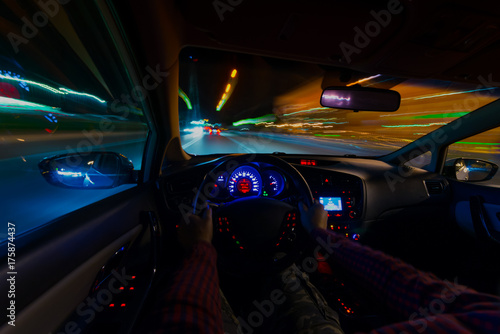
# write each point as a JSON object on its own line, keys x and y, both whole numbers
{"x": 123, "y": 305}
{"x": 307, "y": 162}
{"x": 111, "y": 305}
{"x": 234, "y": 237}
{"x": 241, "y": 247}
{"x": 122, "y": 288}
{"x": 133, "y": 277}
{"x": 244, "y": 185}
{"x": 131, "y": 288}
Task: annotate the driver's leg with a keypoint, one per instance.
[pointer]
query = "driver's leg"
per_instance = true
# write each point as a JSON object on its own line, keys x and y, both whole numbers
{"x": 229, "y": 320}
{"x": 305, "y": 310}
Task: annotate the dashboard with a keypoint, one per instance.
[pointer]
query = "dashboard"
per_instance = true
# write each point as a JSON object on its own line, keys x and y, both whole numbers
{"x": 355, "y": 192}
{"x": 341, "y": 194}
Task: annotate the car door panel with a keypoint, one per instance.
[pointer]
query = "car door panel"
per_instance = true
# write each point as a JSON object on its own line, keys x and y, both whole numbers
{"x": 60, "y": 263}
{"x": 462, "y": 194}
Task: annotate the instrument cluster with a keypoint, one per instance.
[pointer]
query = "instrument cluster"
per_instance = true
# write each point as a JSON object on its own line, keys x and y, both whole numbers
{"x": 249, "y": 180}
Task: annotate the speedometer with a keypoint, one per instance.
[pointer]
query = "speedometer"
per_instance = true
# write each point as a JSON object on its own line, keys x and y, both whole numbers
{"x": 244, "y": 181}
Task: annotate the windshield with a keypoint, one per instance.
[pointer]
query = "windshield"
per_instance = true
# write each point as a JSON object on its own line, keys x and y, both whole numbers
{"x": 236, "y": 103}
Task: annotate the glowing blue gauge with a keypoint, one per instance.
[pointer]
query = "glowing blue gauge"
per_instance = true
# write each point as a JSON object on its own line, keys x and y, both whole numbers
{"x": 244, "y": 181}
{"x": 274, "y": 183}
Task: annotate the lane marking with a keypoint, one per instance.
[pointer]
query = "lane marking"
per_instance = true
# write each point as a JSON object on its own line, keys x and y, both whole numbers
{"x": 191, "y": 142}
{"x": 243, "y": 146}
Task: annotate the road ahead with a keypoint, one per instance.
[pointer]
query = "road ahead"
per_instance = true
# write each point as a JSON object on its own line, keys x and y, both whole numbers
{"x": 259, "y": 142}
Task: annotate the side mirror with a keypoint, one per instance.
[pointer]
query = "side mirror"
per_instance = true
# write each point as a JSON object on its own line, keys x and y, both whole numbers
{"x": 360, "y": 98}
{"x": 470, "y": 170}
{"x": 98, "y": 170}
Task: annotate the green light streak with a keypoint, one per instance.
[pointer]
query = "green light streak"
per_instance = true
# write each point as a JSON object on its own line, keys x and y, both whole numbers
{"x": 307, "y": 110}
{"x": 60, "y": 91}
{"x": 321, "y": 135}
{"x": 265, "y": 118}
{"x": 413, "y": 125}
{"x": 186, "y": 99}
{"x": 6, "y": 102}
{"x": 444, "y": 115}
{"x": 221, "y": 104}
{"x": 69, "y": 91}
{"x": 53, "y": 90}
{"x": 477, "y": 143}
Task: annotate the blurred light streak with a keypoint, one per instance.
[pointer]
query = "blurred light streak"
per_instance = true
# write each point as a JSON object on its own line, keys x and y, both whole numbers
{"x": 53, "y": 90}
{"x": 413, "y": 125}
{"x": 186, "y": 99}
{"x": 308, "y": 110}
{"x": 364, "y": 80}
{"x": 195, "y": 130}
{"x": 61, "y": 91}
{"x": 476, "y": 143}
{"x": 69, "y": 91}
{"x": 229, "y": 88}
{"x": 322, "y": 135}
{"x": 453, "y": 93}
{"x": 416, "y": 113}
{"x": 265, "y": 118}
{"x": 6, "y": 102}
{"x": 20, "y": 139}
{"x": 445, "y": 115}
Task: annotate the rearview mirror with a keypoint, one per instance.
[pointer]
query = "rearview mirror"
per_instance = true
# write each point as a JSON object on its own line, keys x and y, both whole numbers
{"x": 360, "y": 98}
{"x": 97, "y": 170}
{"x": 470, "y": 170}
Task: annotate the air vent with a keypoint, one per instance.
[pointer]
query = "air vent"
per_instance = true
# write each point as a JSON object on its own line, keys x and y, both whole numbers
{"x": 434, "y": 187}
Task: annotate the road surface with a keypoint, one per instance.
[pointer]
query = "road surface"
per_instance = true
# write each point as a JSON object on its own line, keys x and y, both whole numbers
{"x": 260, "y": 142}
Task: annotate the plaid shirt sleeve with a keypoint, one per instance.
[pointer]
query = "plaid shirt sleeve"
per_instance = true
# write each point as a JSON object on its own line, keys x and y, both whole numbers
{"x": 429, "y": 304}
{"x": 192, "y": 302}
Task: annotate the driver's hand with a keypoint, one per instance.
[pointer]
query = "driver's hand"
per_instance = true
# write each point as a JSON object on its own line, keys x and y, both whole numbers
{"x": 313, "y": 217}
{"x": 197, "y": 229}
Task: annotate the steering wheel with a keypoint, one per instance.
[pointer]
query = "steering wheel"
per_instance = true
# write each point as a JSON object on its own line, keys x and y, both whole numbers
{"x": 254, "y": 234}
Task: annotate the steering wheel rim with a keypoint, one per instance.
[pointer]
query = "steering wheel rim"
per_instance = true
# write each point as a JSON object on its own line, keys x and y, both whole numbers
{"x": 260, "y": 228}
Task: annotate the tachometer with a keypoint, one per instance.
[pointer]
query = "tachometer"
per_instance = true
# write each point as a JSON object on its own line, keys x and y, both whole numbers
{"x": 274, "y": 183}
{"x": 244, "y": 181}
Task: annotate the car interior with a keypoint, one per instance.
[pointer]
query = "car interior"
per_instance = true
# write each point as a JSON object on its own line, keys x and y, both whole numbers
{"x": 101, "y": 238}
